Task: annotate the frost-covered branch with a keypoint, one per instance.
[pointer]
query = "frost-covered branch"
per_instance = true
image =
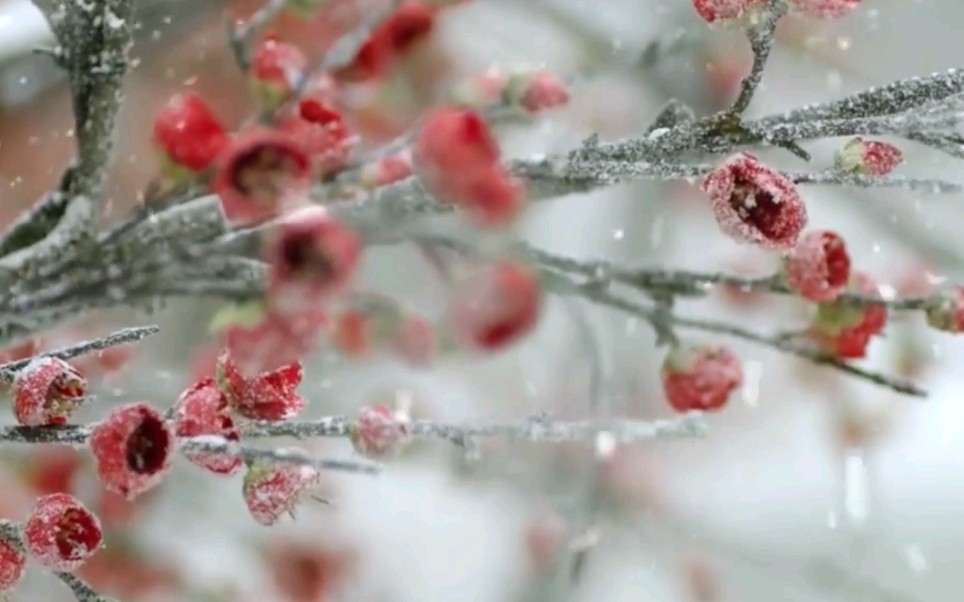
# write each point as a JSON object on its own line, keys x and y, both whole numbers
{"x": 82, "y": 591}
{"x": 125, "y": 336}
{"x": 761, "y": 36}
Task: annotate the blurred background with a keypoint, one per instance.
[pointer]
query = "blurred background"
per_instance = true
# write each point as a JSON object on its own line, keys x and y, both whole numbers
{"x": 809, "y": 487}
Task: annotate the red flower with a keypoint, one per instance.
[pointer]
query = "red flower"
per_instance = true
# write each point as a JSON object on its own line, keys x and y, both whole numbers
{"x": 457, "y": 158}
{"x": 946, "y": 311}
{"x": 378, "y": 433}
{"x": 203, "y": 410}
{"x": 188, "y": 132}
{"x": 52, "y": 469}
{"x": 713, "y": 11}
{"x": 267, "y": 396}
{"x": 869, "y": 157}
{"x": 818, "y": 267}
{"x": 276, "y": 67}
{"x": 260, "y": 172}
{"x": 275, "y": 340}
{"x": 271, "y": 491}
{"x": 12, "y": 561}
{"x": 47, "y": 391}
{"x": 754, "y": 203}
{"x": 323, "y": 132}
{"x": 133, "y": 447}
{"x": 307, "y": 573}
{"x": 497, "y": 306}
{"x": 310, "y": 255}
{"x": 700, "y": 377}
{"x": 824, "y": 9}
{"x": 416, "y": 342}
{"x": 61, "y": 533}
{"x": 845, "y": 329}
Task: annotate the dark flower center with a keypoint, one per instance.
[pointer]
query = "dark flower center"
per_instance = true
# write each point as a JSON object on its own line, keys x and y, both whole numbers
{"x": 302, "y": 256}
{"x": 147, "y": 447}
{"x": 758, "y": 208}
{"x": 838, "y": 261}
{"x": 76, "y": 534}
{"x": 264, "y": 172}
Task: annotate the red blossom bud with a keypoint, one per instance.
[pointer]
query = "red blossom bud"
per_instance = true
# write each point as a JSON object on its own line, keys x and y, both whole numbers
{"x": 310, "y": 255}
{"x": 818, "y": 267}
{"x": 824, "y": 9}
{"x": 722, "y": 11}
{"x": 61, "y": 533}
{"x": 12, "y": 561}
{"x": 276, "y": 67}
{"x": 411, "y": 22}
{"x": 378, "y": 433}
{"x": 497, "y": 306}
{"x": 946, "y": 311}
{"x": 273, "y": 490}
{"x": 134, "y": 447}
{"x": 845, "y": 329}
{"x": 261, "y": 173}
{"x": 188, "y": 133}
{"x": 386, "y": 170}
{"x": 869, "y": 157}
{"x": 47, "y": 391}
{"x": 202, "y": 409}
{"x": 537, "y": 90}
{"x": 754, "y": 203}
{"x": 700, "y": 377}
{"x": 457, "y": 158}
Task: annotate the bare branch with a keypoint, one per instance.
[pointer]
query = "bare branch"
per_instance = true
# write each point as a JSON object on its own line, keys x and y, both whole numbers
{"x": 122, "y": 337}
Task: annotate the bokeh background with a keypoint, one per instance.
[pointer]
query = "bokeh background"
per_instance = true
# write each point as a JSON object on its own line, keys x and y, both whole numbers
{"x": 809, "y": 487}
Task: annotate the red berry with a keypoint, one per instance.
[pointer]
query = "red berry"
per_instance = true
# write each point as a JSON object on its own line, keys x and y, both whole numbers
{"x": 310, "y": 255}
{"x": 713, "y": 11}
{"x": 273, "y": 490}
{"x": 276, "y": 67}
{"x": 700, "y": 377}
{"x": 846, "y": 329}
{"x": 61, "y": 533}
{"x": 378, "y": 433}
{"x": 267, "y": 396}
{"x": 47, "y": 391}
{"x": 754, "y": 203}
{"x": 260, "y": 172}
{"x": 818, "y": 267}
{"x": 946, "y": 311}
{"x": 824, "y": 9}
{"x": 323, "y": 132}
{"x": 497, "y": 306}
{"x": 134, "y": 447}
{"x": 869, "y": 157}
{"x": 188, "y": 132}
{"x": 203, "y": 410}
{"x": 457, "y": 158}
{"x": 12, "y": 561}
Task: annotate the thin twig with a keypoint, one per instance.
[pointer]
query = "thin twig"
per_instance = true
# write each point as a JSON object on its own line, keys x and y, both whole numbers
{"x": 121, "y": 337}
